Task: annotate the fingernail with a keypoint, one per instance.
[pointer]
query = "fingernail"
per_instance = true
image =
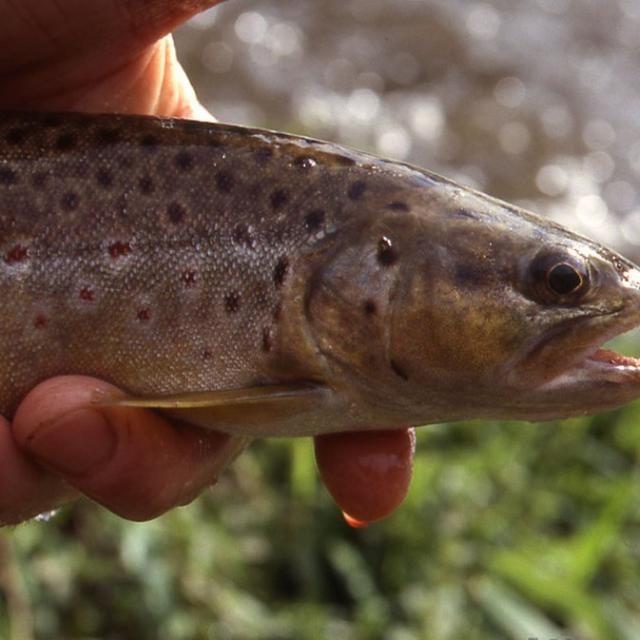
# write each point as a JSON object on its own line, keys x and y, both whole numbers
{"x": 75, "y": 443}
{"x": 354, "y": 523}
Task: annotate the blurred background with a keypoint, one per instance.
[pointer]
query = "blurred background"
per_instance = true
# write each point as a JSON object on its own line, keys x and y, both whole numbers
{"x": 511, "y": 531}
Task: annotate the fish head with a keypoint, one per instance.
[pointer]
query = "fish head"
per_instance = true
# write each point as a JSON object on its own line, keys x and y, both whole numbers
{"x": 467, "y": 307}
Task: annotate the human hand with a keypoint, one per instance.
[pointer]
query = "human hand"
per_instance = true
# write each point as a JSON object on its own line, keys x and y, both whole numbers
{"x": 114, "y": 55}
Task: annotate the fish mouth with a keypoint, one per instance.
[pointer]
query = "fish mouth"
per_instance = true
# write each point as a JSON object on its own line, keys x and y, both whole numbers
{"x": 570, "y": 372}
{"x": 611, "y": 367}
{"x": 598, "y": 376}
{"x": 573, "y": 354}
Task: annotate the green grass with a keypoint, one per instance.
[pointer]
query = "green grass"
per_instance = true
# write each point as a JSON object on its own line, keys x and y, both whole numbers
{"x": 510, "y": 531}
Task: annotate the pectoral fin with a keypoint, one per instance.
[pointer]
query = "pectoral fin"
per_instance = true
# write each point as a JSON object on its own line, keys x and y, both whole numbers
{"x": 255, "y": 411}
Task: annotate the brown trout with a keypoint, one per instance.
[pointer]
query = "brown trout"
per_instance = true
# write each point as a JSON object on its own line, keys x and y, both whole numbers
{"x": 266, "y": 284}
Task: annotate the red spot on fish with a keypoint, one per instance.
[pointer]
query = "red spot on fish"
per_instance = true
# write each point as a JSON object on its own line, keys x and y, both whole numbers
{"x": 17, "y": 254}
{"x": 144, "y": 315}
{"x": 40, "y": 321}
{"x": 87, "y": 294}
{"x": 119, "y": 249}
{"x": 176, "y": 212}
{"x": 189, "y": 278}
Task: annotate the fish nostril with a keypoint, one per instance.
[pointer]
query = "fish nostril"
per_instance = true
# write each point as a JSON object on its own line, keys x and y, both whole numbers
{"x": 387, "y": 254}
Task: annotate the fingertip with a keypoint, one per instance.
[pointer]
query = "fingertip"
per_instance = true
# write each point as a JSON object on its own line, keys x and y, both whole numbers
{"x": 367, "y": 473}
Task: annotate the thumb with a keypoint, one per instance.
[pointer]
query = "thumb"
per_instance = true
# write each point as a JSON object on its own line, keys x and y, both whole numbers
{"x": 131, "y": 461}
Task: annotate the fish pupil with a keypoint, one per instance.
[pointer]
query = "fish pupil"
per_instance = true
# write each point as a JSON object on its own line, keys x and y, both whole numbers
{"x": 563, "y": 279}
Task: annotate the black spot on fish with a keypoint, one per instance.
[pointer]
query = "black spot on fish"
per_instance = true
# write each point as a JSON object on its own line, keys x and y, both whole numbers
{"x": 108, "y": 135}
{"x": 17, "y": 135}
{"x": 7, "y": 176}
{"x": 314, "y": 220}
{"x": 267, "y": 340}
{"x": 149, "y": 141}
{"x": 471, "y": 275}
{"x": 263, "y": 155}
{"x": 146, "y": 185}
{"x": 104, "y": 178}
{"x": 184, "y": 161}
{"x": 277, "y": 311}
{"x": 224, "y": 181}
{"x": 357, "y": 189}
{"x": 66, "y": 142}
{"x": 398, "y": 205}
{"x": 176, "y": 212}
{"x": 370, "y": 308}
{"x": 280, "y": 271}
{"x": 305, "y": 162}
{"x": 279, "y": 198}
{"x": 232, "y": 302}
{"x": 398, "y": 370}
{"x": 39, "y": 179}
{"x": 70, "y": 201}
{"x": 387, "y": 255}
{"x": 242, "y": 235}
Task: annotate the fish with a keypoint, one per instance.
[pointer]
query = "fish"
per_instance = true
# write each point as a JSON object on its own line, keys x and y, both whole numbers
{"x": 265, "y": 284}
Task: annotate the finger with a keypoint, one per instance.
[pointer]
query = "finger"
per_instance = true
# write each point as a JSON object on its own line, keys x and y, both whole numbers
{"x": 153, "y": 83}
{"x": 131, "y": 461}
{"x": 368, "y": 474}
{"x": 26, "y": 489}
{"x": 58, "y": 53}
{"x": 42, "y": 33}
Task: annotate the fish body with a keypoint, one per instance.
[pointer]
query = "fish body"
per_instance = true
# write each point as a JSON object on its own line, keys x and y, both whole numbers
{"x": 270, "y": 284}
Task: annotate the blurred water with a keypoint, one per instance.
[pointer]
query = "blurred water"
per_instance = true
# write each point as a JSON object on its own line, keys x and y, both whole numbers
{"x": 535, "y": 101}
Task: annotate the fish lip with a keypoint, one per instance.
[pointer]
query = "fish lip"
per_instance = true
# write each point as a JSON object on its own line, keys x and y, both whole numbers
{"x": 595, "y": 363}
{"x": 588, "y": 360}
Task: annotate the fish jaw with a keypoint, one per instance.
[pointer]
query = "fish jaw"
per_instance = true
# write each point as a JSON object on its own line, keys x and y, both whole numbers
{"x": 602, "y": 381}
{"x": 578, "y": 376}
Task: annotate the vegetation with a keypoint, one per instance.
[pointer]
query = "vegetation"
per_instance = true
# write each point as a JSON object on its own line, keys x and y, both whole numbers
{"x": 509, "y": 531}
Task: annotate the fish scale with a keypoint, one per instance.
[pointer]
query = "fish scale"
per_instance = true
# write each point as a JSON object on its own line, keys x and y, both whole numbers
{"x": 152, "y": 252}
{"x": 267, "y": 284}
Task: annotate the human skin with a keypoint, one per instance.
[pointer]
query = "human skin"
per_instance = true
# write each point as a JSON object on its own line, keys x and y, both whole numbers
{"x": 116, "y": 56}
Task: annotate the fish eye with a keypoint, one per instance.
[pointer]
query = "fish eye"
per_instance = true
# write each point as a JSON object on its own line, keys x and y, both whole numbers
{"x": 559, "y": 278}
{"x": 563, "y": 279}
